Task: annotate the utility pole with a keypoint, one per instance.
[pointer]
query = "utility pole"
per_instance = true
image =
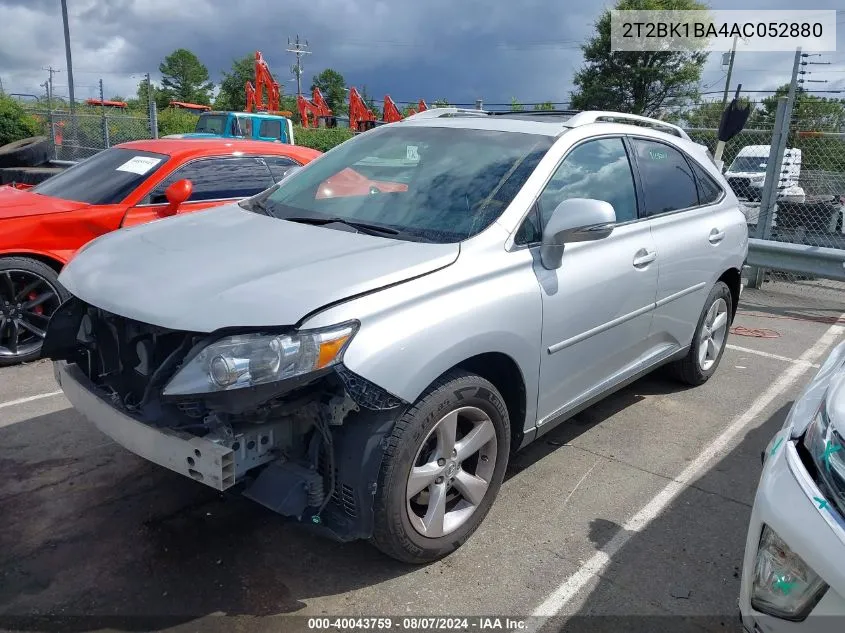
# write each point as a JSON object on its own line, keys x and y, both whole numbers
{"x": 52, "y": 71}
{"x": 68, "y": 57}
{"x": 299, "y": 49}
{"x": 728, "y": 78}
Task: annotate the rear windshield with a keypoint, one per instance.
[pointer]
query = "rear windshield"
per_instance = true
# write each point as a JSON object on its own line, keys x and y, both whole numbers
{"x": 105, "y": 178}
{"x": 433, "y": 184}
{"x": 211, "y": 124}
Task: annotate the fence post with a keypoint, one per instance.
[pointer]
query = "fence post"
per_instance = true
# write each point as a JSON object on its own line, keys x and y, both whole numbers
{"x": 105, "y": 118}
{"x": 769, "y": 195}
{"x": 153, "y": 119}
{"x": 479, "y": 104}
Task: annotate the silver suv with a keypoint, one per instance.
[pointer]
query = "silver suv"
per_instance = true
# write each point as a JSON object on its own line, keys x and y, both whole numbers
{"x": 364, "y": 345}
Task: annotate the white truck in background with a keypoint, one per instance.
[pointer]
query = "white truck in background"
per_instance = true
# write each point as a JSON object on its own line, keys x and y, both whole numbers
{"x": 747, "y": 173}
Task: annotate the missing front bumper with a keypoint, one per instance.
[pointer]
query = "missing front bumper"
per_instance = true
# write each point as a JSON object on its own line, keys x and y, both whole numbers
{"x": 216, "y": 463}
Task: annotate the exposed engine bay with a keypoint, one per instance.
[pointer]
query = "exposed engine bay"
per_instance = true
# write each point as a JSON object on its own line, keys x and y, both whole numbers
{"x": 308, "y": 447}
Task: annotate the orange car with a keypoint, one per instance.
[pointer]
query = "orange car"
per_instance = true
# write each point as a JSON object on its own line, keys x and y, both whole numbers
{"x": 41, "y": 227}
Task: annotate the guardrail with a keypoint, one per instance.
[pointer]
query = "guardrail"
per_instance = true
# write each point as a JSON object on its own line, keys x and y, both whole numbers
{"x": 817, "y": 261}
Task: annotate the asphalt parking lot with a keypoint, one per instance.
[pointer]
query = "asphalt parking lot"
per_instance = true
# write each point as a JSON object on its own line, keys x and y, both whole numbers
{"x": 636, "y": 508}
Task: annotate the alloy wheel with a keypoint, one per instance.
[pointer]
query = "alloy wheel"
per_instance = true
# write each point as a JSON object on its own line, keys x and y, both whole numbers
{"x": 451, "y": 472}
{"x": 27, "y": 301}
{"x": 714, "y": 330}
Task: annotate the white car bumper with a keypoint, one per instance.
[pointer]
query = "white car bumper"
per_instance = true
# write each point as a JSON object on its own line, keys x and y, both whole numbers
{"x": 785, "y": 503}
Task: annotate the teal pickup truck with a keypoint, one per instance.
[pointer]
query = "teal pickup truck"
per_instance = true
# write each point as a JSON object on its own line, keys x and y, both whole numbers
{"x": 252, "y": 125}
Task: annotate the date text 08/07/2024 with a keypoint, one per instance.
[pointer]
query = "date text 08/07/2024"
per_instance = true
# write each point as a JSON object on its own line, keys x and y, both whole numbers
{"x": 476, "y": 623}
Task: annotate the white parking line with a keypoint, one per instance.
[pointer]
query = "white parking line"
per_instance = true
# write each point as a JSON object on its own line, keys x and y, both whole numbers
{"x": 757, "y": 352}
{"x": 40, "y": 396}
{"x": 558, "y": 599}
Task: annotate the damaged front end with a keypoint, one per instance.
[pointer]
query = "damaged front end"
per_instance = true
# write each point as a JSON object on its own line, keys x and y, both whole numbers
{"x": 272, "y": 412}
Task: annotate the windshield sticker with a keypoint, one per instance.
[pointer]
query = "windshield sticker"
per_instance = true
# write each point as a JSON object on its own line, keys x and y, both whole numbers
{"x": 657, "y": 154}
{"x": 412, "y": 153}
{"x": 139, "y": 165}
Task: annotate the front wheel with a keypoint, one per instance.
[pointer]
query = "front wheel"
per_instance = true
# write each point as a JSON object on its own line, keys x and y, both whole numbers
{"x": 443, "y": 466}
{"x": 29, "y": 295}
{"x": 709, "y": 340}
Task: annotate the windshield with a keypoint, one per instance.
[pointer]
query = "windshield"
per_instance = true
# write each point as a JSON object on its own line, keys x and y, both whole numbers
{"x": 105, "y": 178}
{"x": 211, "y": 124}
{"x": 750, "y": 164}
{"x": 433, "y": 184}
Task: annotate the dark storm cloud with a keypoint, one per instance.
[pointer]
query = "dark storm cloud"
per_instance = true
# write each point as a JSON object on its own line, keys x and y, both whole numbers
{"x": 461, "y": 51}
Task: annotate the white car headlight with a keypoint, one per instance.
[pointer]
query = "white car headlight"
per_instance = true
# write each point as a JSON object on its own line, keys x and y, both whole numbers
{"x": 784, "y": 586}
{"x": 249, "y": 360}
{"x": 827, "y": 451}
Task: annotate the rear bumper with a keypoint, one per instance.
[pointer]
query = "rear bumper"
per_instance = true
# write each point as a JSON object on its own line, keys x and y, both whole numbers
{"x": 205, "y": 461}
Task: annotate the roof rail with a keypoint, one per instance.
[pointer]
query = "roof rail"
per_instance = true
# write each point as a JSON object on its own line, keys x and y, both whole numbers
{"x": 596, "y": 116}
{"x": 435, "y": 113}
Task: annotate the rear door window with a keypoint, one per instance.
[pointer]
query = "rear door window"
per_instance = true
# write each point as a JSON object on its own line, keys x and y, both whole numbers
{"x": 668, "y": 180}
{"x": 270, "y": 129}
{"x": 218, "y": 179}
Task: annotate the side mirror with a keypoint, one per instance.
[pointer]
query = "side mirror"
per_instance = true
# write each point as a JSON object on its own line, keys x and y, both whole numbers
{"x": 575, "y": 220}
{"x": 177, "y": 193}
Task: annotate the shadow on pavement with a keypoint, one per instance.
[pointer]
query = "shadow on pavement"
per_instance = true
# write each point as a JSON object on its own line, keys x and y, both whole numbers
{"x": 682, "y": 571}
{"x": 93, "y": 537}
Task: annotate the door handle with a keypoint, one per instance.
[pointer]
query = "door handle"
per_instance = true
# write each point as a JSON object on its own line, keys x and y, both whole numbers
{"x": 644, "y": 257}
{"x": 716, "y": 236}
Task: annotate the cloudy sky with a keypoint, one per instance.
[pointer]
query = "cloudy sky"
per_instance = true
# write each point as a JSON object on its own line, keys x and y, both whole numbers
{"x": 489, "y": 49}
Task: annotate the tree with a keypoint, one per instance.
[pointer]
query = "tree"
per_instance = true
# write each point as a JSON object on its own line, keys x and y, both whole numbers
{"x": 546, "y": 105}
{"x": 810, "y": 113}
{"x": 15, "y": 122}
{"x": 707, "y": 114}
{"x": 232, "y": 95}
{"x": 638, "y": 82}
{"x": 159, "y": 96}
{"x": 333, "y": 86}
{"x": 440, "y": 103}
{"x": 184, "y": 78}
{"x": 516, "y": 106}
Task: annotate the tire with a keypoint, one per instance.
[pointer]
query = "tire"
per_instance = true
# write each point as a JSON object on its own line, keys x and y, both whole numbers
{"x": 18, "y": 343}
{"x": 27, "y": 152}
{"x": 691, "y": 370}
{"x": 398, "y": 523}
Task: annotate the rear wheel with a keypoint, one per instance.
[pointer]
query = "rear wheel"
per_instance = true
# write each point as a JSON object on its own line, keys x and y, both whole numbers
{"x": 442, "y": 469}
{"x": 29, "y": 295}
{"x": 711, "y": 336}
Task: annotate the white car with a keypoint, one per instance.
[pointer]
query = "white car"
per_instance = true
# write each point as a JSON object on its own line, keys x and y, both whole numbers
{"x": 793, "y": 575}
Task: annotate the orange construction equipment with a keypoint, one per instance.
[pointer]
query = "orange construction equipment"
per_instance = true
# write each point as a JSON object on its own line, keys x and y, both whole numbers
{"x": 312, "y": 112}
{"x": 391, "y": 112}
{"x": 361, "y": 118}
{"x": 263, "y": 82}
{"x": 194, "y": 107}
{"x": 109, "y": 104}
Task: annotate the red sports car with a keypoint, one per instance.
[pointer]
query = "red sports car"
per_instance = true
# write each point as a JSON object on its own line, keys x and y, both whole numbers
{"x": 43, "y": 226}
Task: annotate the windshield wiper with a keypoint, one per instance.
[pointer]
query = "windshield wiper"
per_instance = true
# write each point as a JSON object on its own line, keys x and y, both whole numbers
{"x": 364, "y": 227}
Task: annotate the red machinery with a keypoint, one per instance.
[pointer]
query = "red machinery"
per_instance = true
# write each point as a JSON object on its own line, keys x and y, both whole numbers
{"x": 110, "y": 104}
{"x": 263, "y": 82}
{"x": 361, "y": 118}
{"x": 391, "y": 112}
{"x": 311, "y": 112}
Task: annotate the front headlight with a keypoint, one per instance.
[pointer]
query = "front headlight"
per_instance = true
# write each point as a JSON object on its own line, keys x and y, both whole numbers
{"x": 784, "y": 585}
{"x": 249, "y": 360}
{"x": 826, "y": 449}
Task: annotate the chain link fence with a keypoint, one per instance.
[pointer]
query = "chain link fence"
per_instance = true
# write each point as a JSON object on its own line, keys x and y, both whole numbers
{"x": 808, "y": 202}
{"x": 91, "y": 130}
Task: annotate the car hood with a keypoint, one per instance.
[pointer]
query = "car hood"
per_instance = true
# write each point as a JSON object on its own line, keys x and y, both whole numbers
{"x": 16, "y": 203}
{"x": 228, "y": 267}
